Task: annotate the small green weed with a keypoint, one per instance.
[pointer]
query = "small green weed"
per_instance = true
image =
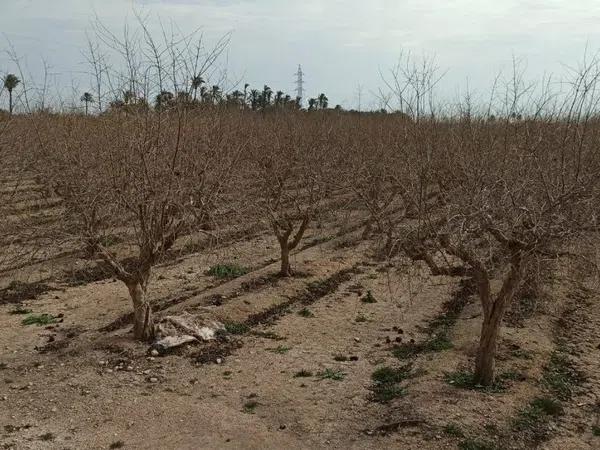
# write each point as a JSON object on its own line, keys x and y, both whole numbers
{"x": 39, "y": 319}
{"x": 303, "y": 374}
{"x": 236, "y": 328}
{"x": 386, "y": 383}
{"x": 305, "y": 312}
{"x": 561, "y": 377}
{"x": 368, "y": 298}
{"x": 539, "y": 411}
{"x": 330, "y": 374}
{"x": 453, "y": 429}
{"x": 228, "y": 271}
{"x": 250, "y": 406}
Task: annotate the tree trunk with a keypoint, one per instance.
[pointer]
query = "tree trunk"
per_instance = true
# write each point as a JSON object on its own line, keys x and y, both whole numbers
{"x": 143, "y": 322}
{"x": 10, "y": 102}
{"x": 486, "y": 354}
{"x": 286, "y": 270}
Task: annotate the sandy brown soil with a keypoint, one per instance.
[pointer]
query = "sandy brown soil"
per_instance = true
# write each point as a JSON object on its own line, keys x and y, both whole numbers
{"x": 71, "y": 385}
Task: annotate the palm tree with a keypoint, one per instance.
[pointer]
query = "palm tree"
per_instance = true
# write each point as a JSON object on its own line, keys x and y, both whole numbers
{"x": 197, "y": 81}
{"x": 323, "y": 101}
{"x": 278, "y": 98}
{"x": 255, "y": 98}
{"x": 266, "y": 96}
{"x": 216, "y": 94}
{"x": 164, "y": 100}
{"x": 10, "y": 82}
{"x": 128, "y": 97}
{"x": 87, "y": 98}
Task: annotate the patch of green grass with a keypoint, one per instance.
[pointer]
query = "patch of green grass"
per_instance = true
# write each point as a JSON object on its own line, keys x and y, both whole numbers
{"x": 250, "y": 406}
{"x": 386, "y": 383}
{"x": 388, "y": 375}
{"x": 303, "y": 374}
{"x": 596, "y": 430}
{"x": 433, "y": 344}
{"x": 228, "y": 271}
{"x": 465, "y": 379}
{"x": 539, "y": 411}
{"x": 39, "y": 319}
{"x": 385, "y": 393}
{"x": 561, "y": 377}
{"x": 236, "y": 328}
{"x": 20, "y": 310}
{"x": 368, "y": 298}
{"x": 453, "y": 429}
{"x": 330, "y": 374}
{"x": 305, "y": 312}
{"x": 476, "y": 444}
{"x": 280, "y": 350}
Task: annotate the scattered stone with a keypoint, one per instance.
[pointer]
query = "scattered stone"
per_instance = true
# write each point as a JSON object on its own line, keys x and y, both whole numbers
{"x": 356, "y": 339}
{"x": 219, "y": 360}
{"x": 154, "y": 352}
{"x": 153, "y": 380}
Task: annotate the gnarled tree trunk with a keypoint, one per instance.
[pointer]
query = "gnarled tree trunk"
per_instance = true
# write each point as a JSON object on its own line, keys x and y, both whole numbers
{"x": 493, "y": 313}
{"x": 286, "y": 270}
{"x": 143, "y": 321}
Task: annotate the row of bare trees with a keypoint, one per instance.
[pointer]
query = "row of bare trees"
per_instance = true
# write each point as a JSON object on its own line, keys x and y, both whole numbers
{"x": 490, "y": 196}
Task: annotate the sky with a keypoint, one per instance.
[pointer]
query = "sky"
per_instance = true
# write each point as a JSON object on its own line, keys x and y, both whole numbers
{"x": 343, "y": 45}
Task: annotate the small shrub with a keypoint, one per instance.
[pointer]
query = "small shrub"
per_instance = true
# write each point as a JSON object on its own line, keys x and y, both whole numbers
{"x": 561, "y": 377}
{"x": 331, "y": 374}
{"x": 20, "y": 310}
{"x": 539, "y": 411}
{"x": 340, "y": 358}
{"x": 305, "y": 312}
{"x": 39, "y": 319}
{"x": 388, "y": 375}
{"x": 228, "y": 271}
{"x": 250, "y": 406}
{"x": 236, "y": 328}
{"x": 47, "y": 437}
{"x": 117, "y": 444}
{"x": 386, "y": 383}
{"x": 368, "y": 298}
{"x": 360, "y": 319}
{"x": 303, "y": 374}
{"x": 596, "y": 430}
{"x": 452, "y": 429}
{"x": 387, "y": 392}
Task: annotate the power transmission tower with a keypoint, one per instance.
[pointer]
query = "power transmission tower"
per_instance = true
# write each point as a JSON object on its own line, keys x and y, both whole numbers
{"x": 299, "y": 83}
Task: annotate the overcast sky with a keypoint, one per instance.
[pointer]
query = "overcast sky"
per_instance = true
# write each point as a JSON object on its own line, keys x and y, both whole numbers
{"x": 340, "y": 43}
